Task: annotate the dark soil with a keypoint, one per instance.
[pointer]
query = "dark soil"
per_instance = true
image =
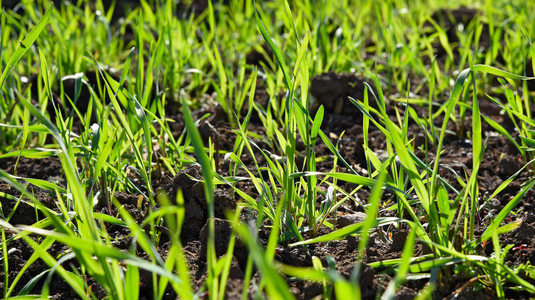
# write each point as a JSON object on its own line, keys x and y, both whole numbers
{"x": 500, "y": 161}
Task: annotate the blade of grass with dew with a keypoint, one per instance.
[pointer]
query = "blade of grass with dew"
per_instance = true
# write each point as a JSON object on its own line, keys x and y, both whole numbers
{"x": 67, "y": 161}
{"x": 145, "y": 174}
{"x": 49, "y": 214}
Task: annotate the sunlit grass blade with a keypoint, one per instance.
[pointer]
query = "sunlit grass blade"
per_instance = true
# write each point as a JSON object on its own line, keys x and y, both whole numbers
{"x": 452, "y": 102}
{"x": 351, "y": 229}
{"x": 502, "y": 215}
{"x": 24, "y": 45}
{"x": 504, "y": 132}
{"x": 501, "y": 73}
{"x": 275, "y": 49}
{"x": 372, "y": 214}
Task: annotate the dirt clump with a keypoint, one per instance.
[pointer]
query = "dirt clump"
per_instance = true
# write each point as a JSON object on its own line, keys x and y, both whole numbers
{"x": 332, "y": 90}
{"x": 189, "y": 181}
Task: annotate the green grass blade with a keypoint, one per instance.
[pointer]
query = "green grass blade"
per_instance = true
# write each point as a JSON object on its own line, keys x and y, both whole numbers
{"x": 25, "y": 45}
{"x": 351, "y": 229}
{"x": 274, "y": 48}
{"x": 502, "y": 215}
{"x": 132, "y": 282}
{"x": 452, "y": 102}
{"x": 206, "y": 165}
{"x": 504, "y": 132}
{"x": 501, "y": 73}
{"x": 372, "y": 213}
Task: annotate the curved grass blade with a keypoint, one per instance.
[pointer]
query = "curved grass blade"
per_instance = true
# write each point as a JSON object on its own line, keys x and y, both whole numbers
{"x": 452, "y": 102}
{"x": 274, "y": 48}
{"x": 512, "y": 204}
{"x": 502, "y": 73}
{"x": 352, "y": 178}
{"x": 24, "y": 45}
{"x": 351, "y": 229}
{"x": 442, "y": 262}
{"x": 504, "y": 132}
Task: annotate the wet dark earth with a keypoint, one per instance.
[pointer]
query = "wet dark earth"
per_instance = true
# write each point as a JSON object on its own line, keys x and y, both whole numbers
{"x": 501, "y": 160}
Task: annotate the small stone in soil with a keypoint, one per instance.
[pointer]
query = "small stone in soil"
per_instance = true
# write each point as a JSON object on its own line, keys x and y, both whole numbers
{"x": 494, "y": 203}
{"x": 509, "y": 165}
{"x": 350, "y": 219}
{"x": 352, "y": 243}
